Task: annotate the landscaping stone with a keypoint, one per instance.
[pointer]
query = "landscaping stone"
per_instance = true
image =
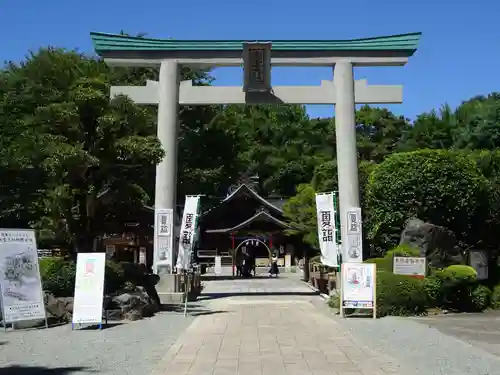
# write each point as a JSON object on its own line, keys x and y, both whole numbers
{"x": 436, "y": 243}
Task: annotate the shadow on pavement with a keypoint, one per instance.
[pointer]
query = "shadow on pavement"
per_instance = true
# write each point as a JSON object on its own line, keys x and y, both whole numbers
{"x": 35, "y": 370}
{"x": 210, "y": 296}
{"x": 229, "y": 277}
{"x": 96, "y": 327}
{"x": 192, "y": 309}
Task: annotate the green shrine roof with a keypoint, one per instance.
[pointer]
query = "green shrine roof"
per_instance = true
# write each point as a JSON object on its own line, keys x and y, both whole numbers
{"x": 112, "y": 43}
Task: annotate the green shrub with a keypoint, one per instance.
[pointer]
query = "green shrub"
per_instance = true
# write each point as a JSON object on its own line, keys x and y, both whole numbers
{"x": 433, "y": 290}
{"x": 114, "y": 277}
{"x": 400, "y": 295}
{"x": 458, "y": 282}
{"x": 58, "y": 276}
{"x": 383, "y": 264}
{"x": 458, "y": 273}
{"x": 480, "y": 298}
{"x": 403, "y": 251}
{"x": 495, "y": 297}
{"x": 426, "y": 184}
{"x": 387, "y": 262}
{"x": 334, "y": 301}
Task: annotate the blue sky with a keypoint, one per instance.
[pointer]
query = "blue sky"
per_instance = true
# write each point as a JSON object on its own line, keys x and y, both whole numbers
{"x": 458, "y": 57}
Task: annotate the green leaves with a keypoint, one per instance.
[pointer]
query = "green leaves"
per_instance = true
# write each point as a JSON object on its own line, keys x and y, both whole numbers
{"x": 441, "y": 187}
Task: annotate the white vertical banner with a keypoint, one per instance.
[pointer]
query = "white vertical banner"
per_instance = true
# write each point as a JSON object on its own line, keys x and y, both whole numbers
{"x": 325, "y": 212}
{"x": 163, "y": 239}
{"x": 188, "y": 231}
{"x": 20, "y": 282}
{"x": 354, "y": 248}
{"x": 89, "y": 288}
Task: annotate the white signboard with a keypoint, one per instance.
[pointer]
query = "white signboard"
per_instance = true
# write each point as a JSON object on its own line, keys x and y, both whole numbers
{"x": 20, "y": 282}
{"x": 410, "y": 266}
{"x": 358, "y": 286}
{"x": 326, "y": 229}
{"x": 478, "y": 260}
{"x": 354, "y": 248}
{"x": 218, "y": 265}
{"x": 288, "y": 262}
{"x": 188, "y": 230}
{"x": 89, "y": 288}
{"x": 163, "y": 239}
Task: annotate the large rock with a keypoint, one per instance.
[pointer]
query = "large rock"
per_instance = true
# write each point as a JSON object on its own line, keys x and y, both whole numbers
{"x": 58, "y": 310}
{"x": 434, "y": 242}
{"x": 134, "y": 303}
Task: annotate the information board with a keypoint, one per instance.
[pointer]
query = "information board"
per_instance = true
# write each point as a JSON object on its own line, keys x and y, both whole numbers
{"x": 20, "y": 281}
{"x": 410, "y": 266}
{"x": 478, "y": 259}
{"x": 358, "y": 287}
{"x": 218, "y": 265}
{"x": 89, "y": 288}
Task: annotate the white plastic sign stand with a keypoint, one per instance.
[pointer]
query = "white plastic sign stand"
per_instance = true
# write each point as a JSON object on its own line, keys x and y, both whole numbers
{"x": 358, "y": 289}
{"x": 89, "y": 289}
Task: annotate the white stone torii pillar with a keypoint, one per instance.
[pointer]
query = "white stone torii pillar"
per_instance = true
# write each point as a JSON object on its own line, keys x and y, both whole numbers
{"x": 344, "y": 92}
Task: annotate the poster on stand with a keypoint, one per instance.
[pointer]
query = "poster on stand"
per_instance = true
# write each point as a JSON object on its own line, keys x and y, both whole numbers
{"x": 163, "y": 240}
{"x": 89, "y": 288}
{"x": 188, "y": 232}
{"x": 327, "y": 237}
{"x": 358, "y": 286}
{"x": 354, "y": 247}
{"x": 20, "y": 281}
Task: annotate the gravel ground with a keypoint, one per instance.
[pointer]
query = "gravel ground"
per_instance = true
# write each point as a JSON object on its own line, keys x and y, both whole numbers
{"x": 122, "y": 349}
{"x": 421, "y": 349}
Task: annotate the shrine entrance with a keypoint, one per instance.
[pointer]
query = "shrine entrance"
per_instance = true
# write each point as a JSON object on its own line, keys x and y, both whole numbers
{"x": 256, "y": 58}
{"x": 251, "y": 250}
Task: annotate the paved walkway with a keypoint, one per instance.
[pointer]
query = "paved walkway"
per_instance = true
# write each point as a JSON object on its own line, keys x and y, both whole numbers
{"x": 270, "y": 326}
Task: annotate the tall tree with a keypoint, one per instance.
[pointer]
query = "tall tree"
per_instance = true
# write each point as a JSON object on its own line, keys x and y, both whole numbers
{"x": 85, "y": 142}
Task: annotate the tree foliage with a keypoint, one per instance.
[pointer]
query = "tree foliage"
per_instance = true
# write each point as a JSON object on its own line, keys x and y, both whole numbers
{"x": 71, "y": 158}
{"x": 442, "y": 187}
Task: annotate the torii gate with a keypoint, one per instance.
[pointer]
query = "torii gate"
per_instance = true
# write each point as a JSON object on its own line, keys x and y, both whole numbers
{"x": 257, "y": 57}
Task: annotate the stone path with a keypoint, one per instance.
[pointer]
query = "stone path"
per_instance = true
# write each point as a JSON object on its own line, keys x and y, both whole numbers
{"x": 270, "y": 326}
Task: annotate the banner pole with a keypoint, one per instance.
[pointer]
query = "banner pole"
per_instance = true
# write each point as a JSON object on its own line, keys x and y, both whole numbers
{"x": 186, "y": 279}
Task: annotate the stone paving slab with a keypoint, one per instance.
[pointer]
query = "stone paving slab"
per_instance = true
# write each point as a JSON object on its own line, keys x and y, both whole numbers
{"x": 279, "y": 334}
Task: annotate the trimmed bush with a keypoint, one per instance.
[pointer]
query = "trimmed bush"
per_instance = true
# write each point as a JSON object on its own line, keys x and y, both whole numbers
{"x": 433, "y": 289}
{"x": 458, "y": 283}
{"x": 480, "y": 298}
{"x": 387, "y": 262}
{"x": 400, "y": 295}
{"x": 495, "y": 297}
{"x": 439, "y": 186}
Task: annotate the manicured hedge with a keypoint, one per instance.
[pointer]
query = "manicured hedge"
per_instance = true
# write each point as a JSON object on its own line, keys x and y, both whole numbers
{"x": 400, "y": 295}
{"x": 454, "y": 288}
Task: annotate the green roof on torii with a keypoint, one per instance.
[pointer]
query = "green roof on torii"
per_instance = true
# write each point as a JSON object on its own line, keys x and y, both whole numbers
{"x": 109, "y": 43}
